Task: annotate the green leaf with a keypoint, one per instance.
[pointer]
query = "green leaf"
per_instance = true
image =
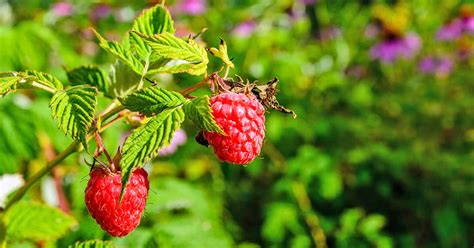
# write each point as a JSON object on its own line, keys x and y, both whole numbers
{"x": 145, "y": 141}
{"x": 121, "y": 52}
{"x": 34, "y": 221}
{"x": 7, "y": 83}
{"x": 122, "y": 79}
{"x": 74, "y": 109}
{"x": 180, "y": 52}
{"x": 42, "y": 78}
{"x": 18, "y": 134}
{"x": 170, "y": 46}
{"x": 90, "y": 75}
{"x": 193, "y": 69}
{"x": 10, "y": 81}
{"x": 152, "y": 100}
{"x": 200, "y": 112}
{"x": 155, "y": 20}
{"x": 92, "y": 244}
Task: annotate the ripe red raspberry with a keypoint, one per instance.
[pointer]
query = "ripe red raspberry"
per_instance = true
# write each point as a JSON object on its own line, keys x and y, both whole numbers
{"x": 102, "y": 196}
{"x": 242, "y": 119}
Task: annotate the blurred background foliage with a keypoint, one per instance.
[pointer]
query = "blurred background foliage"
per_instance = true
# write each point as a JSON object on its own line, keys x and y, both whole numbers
{"x": 381, "y": 154}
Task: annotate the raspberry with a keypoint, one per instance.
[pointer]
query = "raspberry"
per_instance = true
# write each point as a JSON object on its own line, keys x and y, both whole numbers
{"x": 102, "y": 196}
{"x": 242, "y": 119}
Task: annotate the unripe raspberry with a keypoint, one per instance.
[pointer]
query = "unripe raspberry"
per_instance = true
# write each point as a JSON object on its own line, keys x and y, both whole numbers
{"x": 102, "y": 197}
{"x": 242, "y": 118}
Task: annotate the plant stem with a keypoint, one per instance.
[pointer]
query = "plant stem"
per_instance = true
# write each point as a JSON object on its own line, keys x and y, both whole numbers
{"x": 22, "y": 191}
{"x": 73, "y": 147}
{"x": 192, "y": 88}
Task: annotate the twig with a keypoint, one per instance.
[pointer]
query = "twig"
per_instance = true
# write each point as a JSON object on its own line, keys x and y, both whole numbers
{"x": 192, "y": 88}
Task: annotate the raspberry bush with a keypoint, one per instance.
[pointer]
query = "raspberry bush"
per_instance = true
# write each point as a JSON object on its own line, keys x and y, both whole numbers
{"x": 232, "y": 120}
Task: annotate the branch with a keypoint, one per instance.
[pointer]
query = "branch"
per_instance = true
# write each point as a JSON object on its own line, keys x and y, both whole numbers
{"x": 73, "y": 147}
{"x": 22, "y": 191}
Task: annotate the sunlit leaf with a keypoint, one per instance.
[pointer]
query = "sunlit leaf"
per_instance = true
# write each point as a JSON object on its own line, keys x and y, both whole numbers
{"x": 152, "y": 100}
{"x": 34, "y": 221}
{"x": 74, "y": 109}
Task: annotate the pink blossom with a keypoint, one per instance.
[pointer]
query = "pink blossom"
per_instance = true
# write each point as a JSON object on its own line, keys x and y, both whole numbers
{"x": 179, "y": 138}
{"x": 244, "y": 29}
{"x": 192, "y": 7}
{"x": 61, "y": 9}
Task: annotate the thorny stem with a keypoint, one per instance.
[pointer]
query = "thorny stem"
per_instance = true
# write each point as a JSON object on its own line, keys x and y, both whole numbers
{"x": 73, "y": 147}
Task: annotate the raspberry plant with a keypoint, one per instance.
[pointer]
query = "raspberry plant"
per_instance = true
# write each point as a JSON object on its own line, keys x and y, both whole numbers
{"x": 233, "y": 124}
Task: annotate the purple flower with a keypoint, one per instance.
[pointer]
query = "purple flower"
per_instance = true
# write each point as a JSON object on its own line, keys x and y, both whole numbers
{"x": 427, "y": 64}
{"x": 62, "y": 9}
{"x": 469, "y": 24}
{"x": 100, "y": 11}
{"x": 192, "y": 7}
{"x": 179, "y": 138}
{"x": 244, "y": 29}
{"x": 451, "y": 31}
{"x": 391, "y": 49}
{"x": 436, "y": 65}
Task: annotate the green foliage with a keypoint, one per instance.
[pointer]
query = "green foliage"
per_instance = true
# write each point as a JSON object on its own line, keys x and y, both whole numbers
{"x": 123, "y": 79}
{"x": 144, "y": 142}
{"x": 10, "y": 81}
{"x": 187, "y": 215}
{"x": 155, "y": 20}
{"x": 152, "y": 100}
{"x": 92, "y": 244}
{"x": 34, "y": 221}
{"x": 199, "y": 111}
{"x": 17, "y": 133}
{"x": 383, "y": 152}
{"x": 122, "y": 52}
{"x": 74, "y": 109}
{"x": 187, "y": 56}
{"x": 90, "y": 75}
